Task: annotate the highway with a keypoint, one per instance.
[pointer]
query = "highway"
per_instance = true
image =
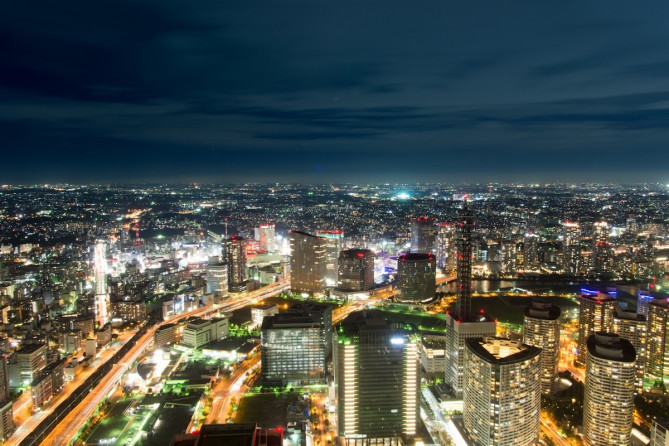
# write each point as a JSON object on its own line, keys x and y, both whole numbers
{"x": 225, "y": 389}
{"x": 63, "y": 433}
{"x": 26, "y": 421}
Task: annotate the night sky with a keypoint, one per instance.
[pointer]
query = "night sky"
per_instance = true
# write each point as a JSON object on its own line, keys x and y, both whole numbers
{"x": 323, "y": 91}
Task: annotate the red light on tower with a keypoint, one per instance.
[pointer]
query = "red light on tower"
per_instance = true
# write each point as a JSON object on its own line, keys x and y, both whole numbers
{"x": 360, "y": 254}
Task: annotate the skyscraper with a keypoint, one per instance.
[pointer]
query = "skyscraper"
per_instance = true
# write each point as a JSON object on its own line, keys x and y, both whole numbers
{"x": 541, "y": 329}
{"x": 465, "y": 229}
{"x": 657, "y": 347}
{"x": 445, "y": 246}
{"x": 422, "y": 235}
{"x": 234, "y": 256}
{"x": 295, "y": 345}
{"x": 101, "y": 296}
{"x": 460, "y": 323}
{"x": 308, "y": 259}
{"x": 377, "y": 377}
{"x": 502, "y": 395}
{"x": 633, "y": 327}
{"x": 595, "y": 314}
{"x": 416, "y": 277}
{"x": 267, "y": 237}
{"x": 4, "y": 379}
{"x": 356, "y": 270}
{"x": 335, "y": 244}
{"x": 217, "y": 277}
{"x": 608, "y": 404}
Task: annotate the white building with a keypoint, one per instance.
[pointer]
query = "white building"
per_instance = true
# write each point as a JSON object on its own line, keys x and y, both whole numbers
{"x": 608, "y": 404}
{"x": 199, "y": 332}
{"x": 541, "y": 328}
{"x": 502, "y": 394}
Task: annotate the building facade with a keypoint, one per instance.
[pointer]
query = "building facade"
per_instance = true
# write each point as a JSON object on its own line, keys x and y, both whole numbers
{"x": 633, "y": 327}
{"x": 356, "y": 270}
{"x": 502, "y": 394}
{"x": 422, "y": 235}
{"x": 377, "y": 378}
{"x": 294, "y": 346}
{"x": 595, "y": 314}
{"x": 608, "y": 403}
{"x": 234, "y": 255}
{"x": 334, "y": 246}
{"x": 416, "y": 277}
{"x": 541, "y": 329}
{"x": 308, "y": 262}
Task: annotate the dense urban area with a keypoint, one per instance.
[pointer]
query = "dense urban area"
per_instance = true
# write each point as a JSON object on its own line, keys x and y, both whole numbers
{"x": 338, "y": 314}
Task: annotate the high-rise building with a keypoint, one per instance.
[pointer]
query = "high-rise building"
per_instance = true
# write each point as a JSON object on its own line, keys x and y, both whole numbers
{"x": 308, "y": 260}
{"x": 356, "y": 270}
{"x": 460, "y": 323}
{"x": 295, "y": 345}
{"x": 502, "y": 395}
{"x": 445, "y": 246}
{"x": 422, "y": 235}
{"x": 464, "y": 234}
{"x": 217, "y": 277}
{"x": 657, "y": 347}
{"x": 608, "y": 404}
{"x": 6, "y": 420}
{"x": 541, "y": 329}
{"x": 633, "y": 327}
{"x": 267, "y": 237}
{"x": 101, "y": 295}
{"x": 234, "y": 255}
{"x": 595, "y": 314}
{"x": 4, "y": 379}
{"x": 377, "y": 378}
{"x": 335, "y": 244}
{"x": 531, "y": 252}
{"x": 416, "y": 277}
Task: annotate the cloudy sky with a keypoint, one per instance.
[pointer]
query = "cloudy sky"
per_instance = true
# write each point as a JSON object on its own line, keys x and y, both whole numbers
{"x": 325, "y": 91}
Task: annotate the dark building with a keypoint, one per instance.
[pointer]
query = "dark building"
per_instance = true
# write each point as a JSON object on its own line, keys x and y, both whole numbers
{"x": 308, "y": 262}
{"x": 234, "y": 255}
{"x": 416, "y": 277}
{"x": 377, "y": 378}
{"x": 356, "y": 270}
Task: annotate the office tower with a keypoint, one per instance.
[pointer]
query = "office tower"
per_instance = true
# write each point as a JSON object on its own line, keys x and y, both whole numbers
{"x": 531, "y": 252}
{"x": 234, "y": 255}
{"x": 101, "y": 295}
{"x": 422, "y": 235}
{"x": 335, "y": 244}
{"x": 294, "y": 345}
{"x": 308, "y": 260}
{"x": 502, "y": 395}
{"x": 6, "y": 420}
{"x": 29, "y": 361}
{"x": 460, "y": 323}
{"x": 657, "y": 351}
{"x": 595, "y": 314}
{"x": 416, "y": 277}
{"x": 445, "y": 246}
{"x": 541, "y": 329}
{"x": 356, "y": 270}
{"x": 633, "y": 327}
{"x": 4, "y": 379}
{"x": 608, "y": 403}
{"x": 267, "y": 237}
{"x": 217, "y": 277}
{"x": 377, "y": 378}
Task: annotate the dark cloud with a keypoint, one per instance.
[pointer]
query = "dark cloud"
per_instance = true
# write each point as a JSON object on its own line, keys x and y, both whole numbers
{"x": 320, "y": 91}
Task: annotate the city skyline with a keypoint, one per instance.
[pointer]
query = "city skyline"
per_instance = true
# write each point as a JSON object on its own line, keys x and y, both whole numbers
{"x": 333, "y": 91}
